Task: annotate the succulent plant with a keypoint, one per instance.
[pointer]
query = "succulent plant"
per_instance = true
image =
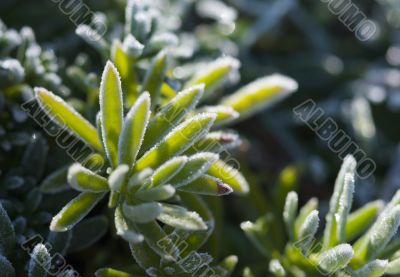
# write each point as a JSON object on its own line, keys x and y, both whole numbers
{"x": 159, "y": 154}
{"x": 361, "y": 243}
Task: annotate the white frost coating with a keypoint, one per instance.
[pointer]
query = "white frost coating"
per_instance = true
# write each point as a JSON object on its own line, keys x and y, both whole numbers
{"x": 374, "y": 268}
{"x": 117, "y": 177}
{"x": 181, "y": 218}
{"x": 285, "y": 84}
{"x": 345, "y": 202}
{"x": 227, "y": 62}
{"x": 109, "y": 66}
{"x": 336, "y": 258}
{"x": 124, "y": 138}
{"x": 206, "y": 158}
{"x": 276, "y": 267}
{"x": 142, "y": 213}
{"x": 193, "y": 120}
{"x": 228, "y": 140}
{"x": 383, "y": 231}
{"x": 225, "y": 114}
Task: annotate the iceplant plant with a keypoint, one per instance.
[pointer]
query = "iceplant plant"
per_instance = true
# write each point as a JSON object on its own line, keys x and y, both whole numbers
{"x": 157, "y": 157}
{"x": 372, "y": 228}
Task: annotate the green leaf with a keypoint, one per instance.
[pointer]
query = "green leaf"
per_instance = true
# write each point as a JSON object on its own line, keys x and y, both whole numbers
{"x": 207, "y": 185}
{"x": 65, "y": 116}
{"x": 260, "y": 94}
{"x": 170, "y": 115}
{"x": 308, "y": 230}
{"x": 111, "y": 110}
{"x": 216, "y": 142}
{"x": 393, "y": 268}
{"x": 290, "y": 212}
{"x": 75, "y": 211}
{"x": 225, "y": 114}
{"x": 168, "y": 170}
{"x": 305, "y": 211}
{"x": 330, "y": 233}
{"x": 7, "y": 234}
{"x": 117, "y": 178}
{"x": 335, "y": 259}
{"x": 142, "y": 213}
{"x": 40, "y": 261}
{"x": 133, "y": 130}
{"x": 214, "y": 74}
{"x": 6, "y": 268}
{"x": 157, "y": 193}
{"x": 276, "y": 268}
{"x": 359, "y": 220}
{"x": 82, "y": 179}
{"x": 123, "y": 229}
{"x": 155, "y": 76}
{"x": 229, "y": 264}
{"x": 345, "y": 203}
{"x": 109, "y": 272}
{"x": 375, "y": 268}
{"x": 195, "y": 167}
{"x": 230, "y": 176}
{"x": 382, "y": 232}
{"x": 181, "y": 218}
{"x": 177, "y": 141}
{"x": 259, "y": 233}
{"x": 56, "y": 181}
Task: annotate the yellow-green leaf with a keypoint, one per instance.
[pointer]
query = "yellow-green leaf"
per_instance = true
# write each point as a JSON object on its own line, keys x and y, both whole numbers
{"x": 75, "y": 211}
{"x": 82, "y": 179}
{"x": 230, "y": 176}
{"x": 65, "y": 116}
{"x": 111, "y": 110}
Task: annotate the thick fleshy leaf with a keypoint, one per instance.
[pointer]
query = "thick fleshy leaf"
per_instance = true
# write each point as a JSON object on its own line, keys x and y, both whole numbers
{"x": 133, "y": 130}
{"x": 344, "y": 207}
{"x": 181, "y": 218}
{"x": 335, "y": 258}
{"x": 230, "y": 176}
{"x": 276, "y": 268}
{"x": 195, "y": 167}
{"x": 177, "y": 141}
{"x": 207, "y": 185}
{"x": 260, "y": 94}
{"x": 308, "y": 230}
{"x": 82, "y": 179}
{"x": 330, "y": 232}
{"x": 117, "y": 178}
{"x": 75, "y": 211}
{"x": 157, "y": 193}
{"x": 142, "y": 213}
{"x": 305, "y": 211}
{"x": 229, "y": 265}
{"x": 123, "y": 229}
{"x": 259, "y": 233}
{"x": 111, "y": 111}
{"x": 65, "y": 116}
{"x": 214, "y": 74}
{"x": 290, "y": 212}
{"x": 40, "y": 262}
{"x": 170, "y": 115}
{"x": 376, "y": 268}
{"x": 109, "y": 272}
{"x": 7, "y": 234}
{"x": 168, "y": 170}
{"x": 6, "y": 268}
{"x": 155, "y": 76}
{"x": 225, "y": 114}
{"x": 393, "y": 268}
{"x": 362, "y": 218}
{"x": 215, "y": 142}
